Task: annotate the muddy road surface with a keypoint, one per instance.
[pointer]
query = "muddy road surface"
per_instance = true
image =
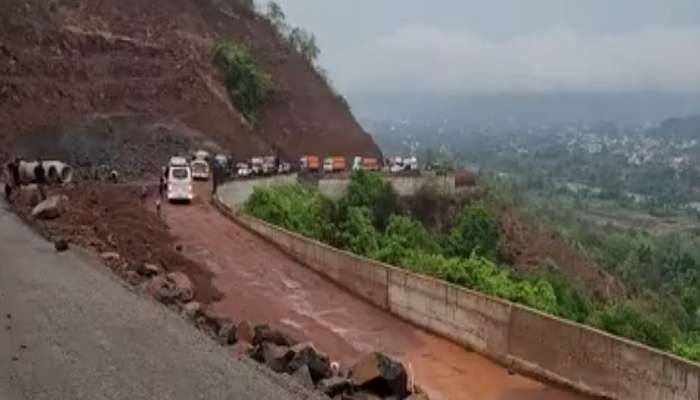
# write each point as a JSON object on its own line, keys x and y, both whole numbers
{"x": 261, "y": 283}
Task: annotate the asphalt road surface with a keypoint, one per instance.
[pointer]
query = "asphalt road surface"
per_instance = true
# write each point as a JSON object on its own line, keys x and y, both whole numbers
{"x": 70, "y": 330}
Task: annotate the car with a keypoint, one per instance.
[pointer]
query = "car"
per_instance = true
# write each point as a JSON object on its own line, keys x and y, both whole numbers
{"x": 200, "y": 169}
{"x": 243, "y": 170}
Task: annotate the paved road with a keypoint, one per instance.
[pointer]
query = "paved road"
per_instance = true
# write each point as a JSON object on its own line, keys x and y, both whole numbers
{"x": 69, "y": 330}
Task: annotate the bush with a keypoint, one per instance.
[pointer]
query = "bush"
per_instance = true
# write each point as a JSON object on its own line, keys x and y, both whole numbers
{"x": 292, "y": 207}
{"x": 483, "y": 275}
{"x": 476, "y": 232}
{"x": 626, "y": 321}
{"x": 357, "y": 233}
{"x": 248, "y": 86}
{"x": 402, "y": 236}
{"x": 368, "y": 189}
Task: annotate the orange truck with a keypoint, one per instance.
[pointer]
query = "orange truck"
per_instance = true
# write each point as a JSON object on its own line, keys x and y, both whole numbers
{"x": 365, "y": 164}
{"x": 334, "y": 164}
{"x": 310, "y": 163}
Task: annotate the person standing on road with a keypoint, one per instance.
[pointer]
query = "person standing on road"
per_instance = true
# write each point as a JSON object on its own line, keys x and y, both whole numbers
{"x": 161, "y": 184}
{"x": 40, "y": 177}
{"x": 216, "y": 171}
{"x": 8, "y": 182}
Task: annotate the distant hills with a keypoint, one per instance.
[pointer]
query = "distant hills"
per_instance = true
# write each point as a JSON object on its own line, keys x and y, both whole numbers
{"x": 522, "y": 110}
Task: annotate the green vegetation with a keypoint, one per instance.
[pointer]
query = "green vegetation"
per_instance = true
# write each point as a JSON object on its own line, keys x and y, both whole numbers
{"x": 298, "y": 39}
{"x": 248, "y": 86}
{"x": 662, "y": 273}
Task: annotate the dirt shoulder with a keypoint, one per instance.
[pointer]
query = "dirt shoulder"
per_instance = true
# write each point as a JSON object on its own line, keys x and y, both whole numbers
{"x": 115, "y": 218}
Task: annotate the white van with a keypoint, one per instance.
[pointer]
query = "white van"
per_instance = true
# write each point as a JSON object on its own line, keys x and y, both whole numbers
{"x": 179, "y": 180}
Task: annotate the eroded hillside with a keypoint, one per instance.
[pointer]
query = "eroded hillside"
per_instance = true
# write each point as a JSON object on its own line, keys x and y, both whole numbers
{"x": 88, "y": 79}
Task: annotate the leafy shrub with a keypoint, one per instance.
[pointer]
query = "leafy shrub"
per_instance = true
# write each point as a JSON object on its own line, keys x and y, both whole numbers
{"x": 357, "y": 233}
{"x": 483, "y": 275}
{"x": 292, "y": 207}
{"x": 248, "y": 86}
{"x": 368, "y": 189}
{"x": 402, "y": 236}
{"x": 626, "y": 321}
{"x": 476, "y": 231}
{"x": 573, "y": 303}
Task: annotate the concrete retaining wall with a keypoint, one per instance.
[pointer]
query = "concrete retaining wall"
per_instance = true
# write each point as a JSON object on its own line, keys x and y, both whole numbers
{"x": 585, "y": 359}
{"x": 238, "y": 191}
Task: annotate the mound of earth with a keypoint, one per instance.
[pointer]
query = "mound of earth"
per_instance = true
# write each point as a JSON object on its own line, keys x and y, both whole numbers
{"x": 95, "y": 78}
{"x": 115, "y": 219}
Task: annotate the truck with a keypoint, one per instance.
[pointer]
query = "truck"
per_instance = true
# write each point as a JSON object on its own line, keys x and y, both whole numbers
{"x": 310, "y": 163}
{"x": 179, "y": 179}
{"x": 365, "y": 164}
{"x": 334, "y": 164}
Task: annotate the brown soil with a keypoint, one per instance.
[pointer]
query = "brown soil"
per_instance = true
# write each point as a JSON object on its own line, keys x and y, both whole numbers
{"x": 261, "y": 283}
{"x": 535, "y": 250}
{"x": 144, "y": 67}
{"x": 113, "y": 218}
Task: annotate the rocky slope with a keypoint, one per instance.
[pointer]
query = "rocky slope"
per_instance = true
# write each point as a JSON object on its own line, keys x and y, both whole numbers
{"x": 88, "y": 79}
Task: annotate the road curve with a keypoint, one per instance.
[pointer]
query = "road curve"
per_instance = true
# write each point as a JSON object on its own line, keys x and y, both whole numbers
{"x": 70, "y": 330}
{"x": 261, "y": 283}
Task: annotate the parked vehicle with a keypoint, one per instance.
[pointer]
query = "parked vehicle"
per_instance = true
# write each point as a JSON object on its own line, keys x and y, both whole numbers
{"x": 200, "y": 169}
{"x": 334, "y": 164}
{"x": 410, "y": 164}
{"x": 179, "y": 180}
{"x": 256, "y": 165}
{"x": 284, "y": 168}
{"x": 269, "y": 165}
{"x": 243, "y": 170}
{"x": 310, "y": 163}
{"x": 370, "y": 164}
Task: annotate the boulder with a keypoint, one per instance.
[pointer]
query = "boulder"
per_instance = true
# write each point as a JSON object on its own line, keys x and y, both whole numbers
{"x": 276, "y": 357}
{"x": 241, "y": 349}
{"x": 183, "y": 285}
{"x": 150, "y": 270}
{"x": 133, "y": 278}
{"x": 245, "y": 332}
{"x": 379, "y": 374}
{"x": 28, "y": 195}
{"x": 227, "y": 332}
{"x": 51, "y": 208}
{"x": 333, "y": 386}
{"x": 263, "y": 333}
{"x": 110, "y": 257}
{"x": 162, "y": 290}
{"x": 60, "y": 245}
{"x": 303, "y": 377}
{"x": 191, "y": 309}
{"x": 305, "y": 354}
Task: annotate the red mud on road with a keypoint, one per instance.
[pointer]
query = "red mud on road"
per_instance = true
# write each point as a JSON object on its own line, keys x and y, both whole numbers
{"x": 261, "y": 283}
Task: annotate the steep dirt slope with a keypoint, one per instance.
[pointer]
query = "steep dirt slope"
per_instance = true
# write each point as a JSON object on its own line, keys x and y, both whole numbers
{"x": 129, "y": 69}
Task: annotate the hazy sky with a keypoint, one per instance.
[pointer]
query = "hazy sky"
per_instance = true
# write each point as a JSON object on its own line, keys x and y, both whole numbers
{"x": 475, "y": 46}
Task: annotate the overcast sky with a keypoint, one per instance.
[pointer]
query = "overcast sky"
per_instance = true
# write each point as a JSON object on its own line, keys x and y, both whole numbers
{"x": 475, "y": 46}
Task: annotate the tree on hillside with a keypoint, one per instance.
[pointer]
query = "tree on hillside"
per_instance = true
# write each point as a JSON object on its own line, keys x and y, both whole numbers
{"x": 304, "y": 43}
{"x": 277, "y": 16}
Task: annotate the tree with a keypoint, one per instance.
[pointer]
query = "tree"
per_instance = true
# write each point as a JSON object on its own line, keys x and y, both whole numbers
{"x": 476, "y": 232}
{"x": 402, "y": 236}
{"x": 277, "y": 16}
{"x": 368, "y": 189}
{"x": 357, "y": 234}
{"x": 304, "y": 43}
